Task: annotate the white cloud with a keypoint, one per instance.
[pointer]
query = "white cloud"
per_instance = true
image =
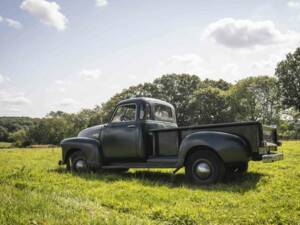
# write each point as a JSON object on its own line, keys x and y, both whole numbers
{"x": 245, "y": 33}
{"x": 90, "y": 74}
{"x": 11, "y": 23}
{"x": 186, "y": 59}
{"x": 48, "y": 13}
{"x": 269, "y": 63}
{"x": 15, "y": 99}
{"x": 230, "y": 70}
{"x": 182, "y": 63}
{"x": 62, "y": 82}
{"x": 293, "y": 4}
{"x": 67, "y": 102}
{"x": 101, "y": 3}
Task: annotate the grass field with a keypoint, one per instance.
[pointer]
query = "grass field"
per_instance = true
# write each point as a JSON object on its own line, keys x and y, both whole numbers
{"x": 5, "y": 145}
{"x": 35, "y": 190}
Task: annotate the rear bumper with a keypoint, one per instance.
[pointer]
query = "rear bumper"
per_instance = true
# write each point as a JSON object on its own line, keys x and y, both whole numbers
{"x": 272, "y": 157}
{"x": 267, "y": 148}
{"x": 267, "y": 153}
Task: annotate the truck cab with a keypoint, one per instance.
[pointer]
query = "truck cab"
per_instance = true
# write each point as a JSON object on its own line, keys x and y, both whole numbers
{"x": 143, "y": 133}
{"x": 127, "y": 137}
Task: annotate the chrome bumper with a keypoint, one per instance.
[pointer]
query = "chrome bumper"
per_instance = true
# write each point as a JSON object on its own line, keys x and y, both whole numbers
{"x": 268, "y": 152}
{"x": 267, "y": 148}
{"x": 272, "y": 157}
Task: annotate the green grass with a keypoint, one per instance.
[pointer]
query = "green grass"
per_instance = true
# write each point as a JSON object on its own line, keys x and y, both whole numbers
{"x": 5, "y": 145}
{"x": 35, "y": 190}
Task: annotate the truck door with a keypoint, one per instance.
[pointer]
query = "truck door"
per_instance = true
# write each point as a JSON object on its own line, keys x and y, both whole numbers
{"x": 120, "y": 137}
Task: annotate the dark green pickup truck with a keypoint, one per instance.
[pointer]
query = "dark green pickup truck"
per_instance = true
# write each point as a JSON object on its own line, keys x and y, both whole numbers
{"x": 143, "y": 133}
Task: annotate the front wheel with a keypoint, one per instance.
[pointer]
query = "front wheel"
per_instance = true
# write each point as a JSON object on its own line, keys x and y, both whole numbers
{"x": 204, "y": 167}
{"x": 77, "y": 162}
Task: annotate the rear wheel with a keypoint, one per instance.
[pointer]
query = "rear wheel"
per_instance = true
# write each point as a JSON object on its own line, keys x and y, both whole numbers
{"x": 204, "y": 167}
{"x": 77, "y": 162}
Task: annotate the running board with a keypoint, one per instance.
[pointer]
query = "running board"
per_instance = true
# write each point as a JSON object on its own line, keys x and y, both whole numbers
{"x": 140, "y": 165}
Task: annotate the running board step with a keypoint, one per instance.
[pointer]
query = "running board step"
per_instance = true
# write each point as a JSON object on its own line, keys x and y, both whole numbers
{"x": 141, "y": 165}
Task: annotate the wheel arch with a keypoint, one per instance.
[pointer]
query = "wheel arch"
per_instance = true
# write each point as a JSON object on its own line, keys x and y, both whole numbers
{"x": 69, "y": 153}
{"x": 91, "y": 148}
{"x": 201, "y": 148}
{"x": 228, "y": 147}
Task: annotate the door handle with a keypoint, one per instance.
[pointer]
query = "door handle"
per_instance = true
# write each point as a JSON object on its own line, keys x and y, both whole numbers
{"x": 131, "y": 126}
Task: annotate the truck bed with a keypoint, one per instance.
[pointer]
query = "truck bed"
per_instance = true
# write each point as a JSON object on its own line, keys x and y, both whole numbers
{"x": 166, "y": 141}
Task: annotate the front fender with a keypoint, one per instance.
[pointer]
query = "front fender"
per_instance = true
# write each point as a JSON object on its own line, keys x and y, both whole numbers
{"x": 89, "y": 146}
{"x": 229, "y": 147}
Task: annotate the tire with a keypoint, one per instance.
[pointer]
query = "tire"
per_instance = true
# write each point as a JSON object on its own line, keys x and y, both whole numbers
{"x": 77, "y": 162}
{"x": 204, "y": 167}
{"x": 237, "y": 170}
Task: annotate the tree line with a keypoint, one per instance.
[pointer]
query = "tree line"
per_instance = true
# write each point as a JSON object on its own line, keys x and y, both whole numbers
{"x": 271, "y": 100}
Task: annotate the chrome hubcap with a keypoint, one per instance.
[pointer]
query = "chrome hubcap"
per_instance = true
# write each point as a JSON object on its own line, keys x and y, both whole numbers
{"x": 203, "y": 170}
{"x": 80, "y": 165}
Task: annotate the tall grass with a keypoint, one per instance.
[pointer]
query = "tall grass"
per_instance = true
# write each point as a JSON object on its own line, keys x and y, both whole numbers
{"x": 35, "y": 190}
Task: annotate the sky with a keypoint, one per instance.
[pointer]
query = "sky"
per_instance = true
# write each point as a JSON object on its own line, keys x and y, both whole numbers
{"x": 68, "y": 55}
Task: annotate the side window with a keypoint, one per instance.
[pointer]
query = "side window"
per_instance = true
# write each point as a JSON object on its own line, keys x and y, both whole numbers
{"x": 125, "y": 113}
{"x": 163, "y": 113}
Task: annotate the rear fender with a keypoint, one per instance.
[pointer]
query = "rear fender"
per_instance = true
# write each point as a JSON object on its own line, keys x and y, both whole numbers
{"x": 89, "y": 146}
{"x": 229, "y": 147}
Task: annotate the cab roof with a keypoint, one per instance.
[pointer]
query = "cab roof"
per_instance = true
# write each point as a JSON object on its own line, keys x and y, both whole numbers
{"x": 145, "y": 100}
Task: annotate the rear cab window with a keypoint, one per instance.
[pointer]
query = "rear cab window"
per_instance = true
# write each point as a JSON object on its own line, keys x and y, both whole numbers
{"x": 163, "y": 113}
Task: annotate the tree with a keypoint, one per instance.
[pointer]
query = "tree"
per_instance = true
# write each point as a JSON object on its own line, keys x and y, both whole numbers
{"x": 20, "y": 138}
{"x": 178, "y": 90}
{"x": 288, "y": 73}
{"x": 3, "y": 133}
{"x": 221, "y": 84}
{"x": 210, "y": 105}
{"x": 255, "y": 98}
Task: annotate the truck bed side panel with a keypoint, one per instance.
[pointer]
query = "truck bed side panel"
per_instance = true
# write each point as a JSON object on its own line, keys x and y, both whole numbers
{"x": 169, "y": 139}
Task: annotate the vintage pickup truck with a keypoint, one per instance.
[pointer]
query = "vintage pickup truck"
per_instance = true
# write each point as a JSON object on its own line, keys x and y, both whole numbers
{"x": 143, "y": 133}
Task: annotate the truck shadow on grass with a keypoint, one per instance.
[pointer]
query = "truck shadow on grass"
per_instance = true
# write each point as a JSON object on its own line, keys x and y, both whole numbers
{"x": 240, "y": 184}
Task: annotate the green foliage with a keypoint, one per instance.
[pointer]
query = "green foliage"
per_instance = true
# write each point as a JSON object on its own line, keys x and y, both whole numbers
{"x": 3, "y": 134}
{"x": 20, "y": 138}
{"x": 288, "y": 73}
{"x": 290, "y": 127}
{"x": 256, "y": 98}
{"x": 13, "y": 124}
{"x": 220, "y": 84}
{"x": 35, "y": 190}
{"x": 210, "y": 105}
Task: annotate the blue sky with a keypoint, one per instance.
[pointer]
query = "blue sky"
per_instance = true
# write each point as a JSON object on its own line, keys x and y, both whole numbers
{"x": 66, "y": 55}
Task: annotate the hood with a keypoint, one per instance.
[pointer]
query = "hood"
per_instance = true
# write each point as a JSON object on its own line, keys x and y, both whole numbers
{"x": 91, "y": 132}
